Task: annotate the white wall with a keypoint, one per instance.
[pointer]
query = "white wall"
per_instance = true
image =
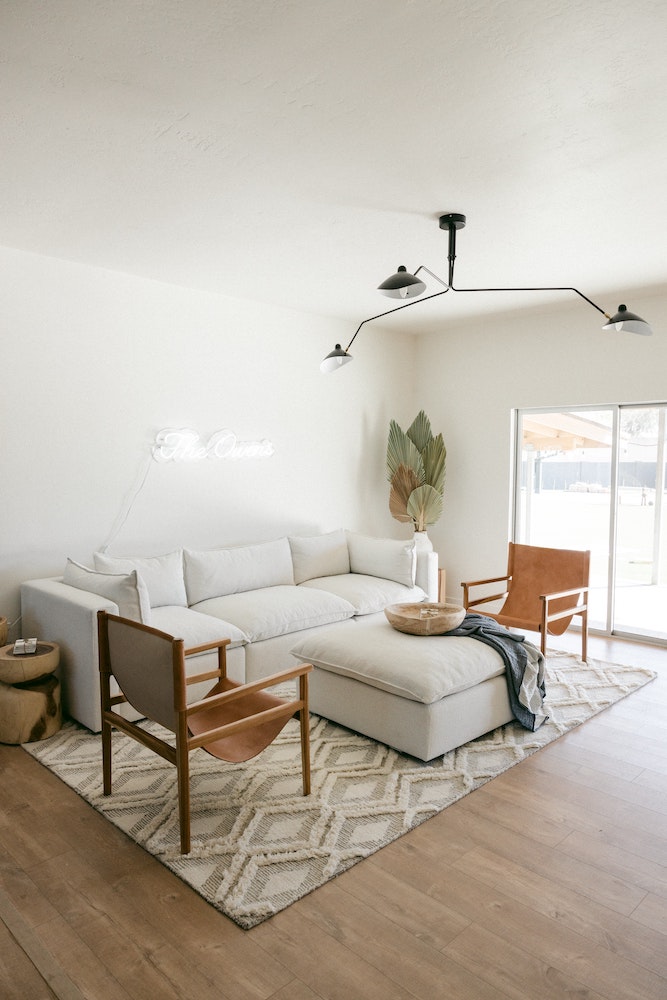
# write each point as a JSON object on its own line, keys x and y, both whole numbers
{"x": 471, "y": 377}
{"x": 94, "y": 363}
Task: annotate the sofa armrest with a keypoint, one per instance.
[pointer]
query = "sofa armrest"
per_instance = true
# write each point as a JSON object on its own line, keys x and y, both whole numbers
{"x": 426, "y": 575}
{"x": 53, "y": 611}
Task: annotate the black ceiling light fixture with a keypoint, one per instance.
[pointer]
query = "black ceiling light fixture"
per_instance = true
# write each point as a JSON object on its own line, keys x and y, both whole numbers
{"x": 403, "y": 285}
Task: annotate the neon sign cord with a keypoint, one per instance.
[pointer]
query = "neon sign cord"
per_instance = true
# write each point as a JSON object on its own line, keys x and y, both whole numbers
{"x": 129, "y": 504}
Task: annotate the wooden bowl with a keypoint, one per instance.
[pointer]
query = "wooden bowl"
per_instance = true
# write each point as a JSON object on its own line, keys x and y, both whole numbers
{"x": 425, "y": 619}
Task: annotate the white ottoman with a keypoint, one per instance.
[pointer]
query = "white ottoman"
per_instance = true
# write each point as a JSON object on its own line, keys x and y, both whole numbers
{"x": 423, "y": 695}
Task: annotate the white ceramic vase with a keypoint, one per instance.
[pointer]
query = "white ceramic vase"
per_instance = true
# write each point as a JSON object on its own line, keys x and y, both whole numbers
{"x": 422, "y": 542}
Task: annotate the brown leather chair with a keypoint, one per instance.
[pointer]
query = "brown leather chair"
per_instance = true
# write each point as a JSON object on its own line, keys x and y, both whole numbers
{"x": 233, "y": 722}
{"x": 545, "y": 589}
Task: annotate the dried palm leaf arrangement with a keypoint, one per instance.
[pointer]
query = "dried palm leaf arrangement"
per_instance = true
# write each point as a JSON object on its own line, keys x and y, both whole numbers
{"x": 416, "y": 472}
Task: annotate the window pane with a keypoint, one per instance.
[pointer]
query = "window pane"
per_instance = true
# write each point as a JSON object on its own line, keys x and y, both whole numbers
{"x": 640, "y": 585}
{"x": 565, "y": 495}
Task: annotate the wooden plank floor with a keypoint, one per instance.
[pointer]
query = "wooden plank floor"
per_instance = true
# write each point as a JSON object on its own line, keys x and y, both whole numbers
{"x": 548, "y": 882}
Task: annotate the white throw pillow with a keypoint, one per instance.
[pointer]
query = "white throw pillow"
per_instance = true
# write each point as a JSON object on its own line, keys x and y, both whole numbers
{"x": 127, "y": 590}
{"x": 320, "y": 555}
{"x": 384, "y": 557}
{"x": 163, "y": 575}
{"x": 218, "y": 572}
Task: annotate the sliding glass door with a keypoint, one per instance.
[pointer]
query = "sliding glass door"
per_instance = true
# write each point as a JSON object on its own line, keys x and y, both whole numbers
{"x": 640, "y": 578}
{"x": 594, "y": 478}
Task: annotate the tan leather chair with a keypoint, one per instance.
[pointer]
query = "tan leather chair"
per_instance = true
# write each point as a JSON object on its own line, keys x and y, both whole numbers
{"x": 545, "y": 589}
{"x": 233, "y": 722}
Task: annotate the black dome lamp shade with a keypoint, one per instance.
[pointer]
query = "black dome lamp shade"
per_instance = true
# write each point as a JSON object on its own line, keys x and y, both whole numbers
{"x": 402, "y": 285}
{"x": 628, "y": 322}
{"x": 335, "y": 360}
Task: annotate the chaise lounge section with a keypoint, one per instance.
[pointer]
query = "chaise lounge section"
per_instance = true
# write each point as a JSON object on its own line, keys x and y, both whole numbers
{"x": 423, "y": 695}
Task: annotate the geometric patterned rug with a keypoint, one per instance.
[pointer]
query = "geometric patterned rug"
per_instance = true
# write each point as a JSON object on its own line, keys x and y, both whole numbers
{"x": 257, "y": 844}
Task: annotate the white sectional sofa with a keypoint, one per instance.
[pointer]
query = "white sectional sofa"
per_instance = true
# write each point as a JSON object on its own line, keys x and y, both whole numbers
{"x": 261, "y": 596}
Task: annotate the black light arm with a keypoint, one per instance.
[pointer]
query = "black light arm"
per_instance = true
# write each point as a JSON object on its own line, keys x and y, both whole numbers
{"x": 339, "y": 357}
{"x": 405, "y": 305}
{"x": 454, "y": 221}
{"x": 547, "y": 288}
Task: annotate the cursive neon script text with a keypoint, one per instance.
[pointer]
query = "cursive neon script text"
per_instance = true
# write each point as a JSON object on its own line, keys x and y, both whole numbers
{"x": 185, "y": 445}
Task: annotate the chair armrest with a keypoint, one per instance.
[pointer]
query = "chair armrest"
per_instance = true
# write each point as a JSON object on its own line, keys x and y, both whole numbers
{"x": 576, "y": 609}
{"x": 209, "y": 675}
{"x": 245, "y": 689}
{"x": 564, "y": 593}
{"x": 216, "y": 644}
{"x": 468, "y": 603}
{"x": 491, "y": 579}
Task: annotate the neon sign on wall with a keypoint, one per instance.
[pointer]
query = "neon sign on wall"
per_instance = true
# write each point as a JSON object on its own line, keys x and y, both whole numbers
{"x": 174, "y": 444}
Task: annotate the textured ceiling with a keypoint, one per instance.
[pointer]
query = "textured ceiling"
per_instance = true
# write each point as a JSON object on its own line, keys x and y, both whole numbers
{"x": 296, "y": 152}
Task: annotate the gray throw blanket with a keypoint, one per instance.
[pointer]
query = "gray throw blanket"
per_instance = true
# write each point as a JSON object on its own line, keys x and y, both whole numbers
{"x": 525, "y": 684}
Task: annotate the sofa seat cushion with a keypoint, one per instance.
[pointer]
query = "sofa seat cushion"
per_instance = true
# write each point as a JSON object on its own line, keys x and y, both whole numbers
{"x": 420, "y": 668}
{"x": 262, "y": 614}
{"x": 366, "y": 594}
{"x": 195, "y": 628}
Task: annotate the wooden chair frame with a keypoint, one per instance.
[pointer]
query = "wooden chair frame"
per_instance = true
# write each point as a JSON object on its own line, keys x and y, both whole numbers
{"x": 577, "y": 607}
{"x": 185, "y": 740}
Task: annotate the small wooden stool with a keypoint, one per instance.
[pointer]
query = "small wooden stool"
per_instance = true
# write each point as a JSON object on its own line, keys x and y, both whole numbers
{"x": 30, "y": 707}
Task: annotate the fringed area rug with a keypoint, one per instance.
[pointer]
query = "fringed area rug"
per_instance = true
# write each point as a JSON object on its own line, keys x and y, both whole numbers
{"x": 258, "y": 844}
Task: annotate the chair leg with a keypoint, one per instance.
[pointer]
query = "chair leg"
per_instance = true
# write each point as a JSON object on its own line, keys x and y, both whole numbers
{"x": 183, "y": 772}
{"x": 584, "y": 636}
{"x": 305, "y": 750}
{"x": 106, "y": 757}
{"x": 304, "y": 722}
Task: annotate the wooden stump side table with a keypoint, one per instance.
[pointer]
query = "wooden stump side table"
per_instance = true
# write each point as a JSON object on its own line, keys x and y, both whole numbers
{"x": 30, "y": 707}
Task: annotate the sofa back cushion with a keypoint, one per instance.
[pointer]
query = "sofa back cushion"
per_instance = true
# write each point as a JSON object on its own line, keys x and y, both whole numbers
{"x": 127, "y": 590}
{"x": 384, "y": 557}
{"x": 218, "y": 572}
{"x": 320, "y": 555}
{"x": 163, "y": 575}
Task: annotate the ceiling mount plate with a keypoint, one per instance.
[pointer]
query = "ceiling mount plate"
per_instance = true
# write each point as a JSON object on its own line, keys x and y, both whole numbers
{"x": 453, "y": 220}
